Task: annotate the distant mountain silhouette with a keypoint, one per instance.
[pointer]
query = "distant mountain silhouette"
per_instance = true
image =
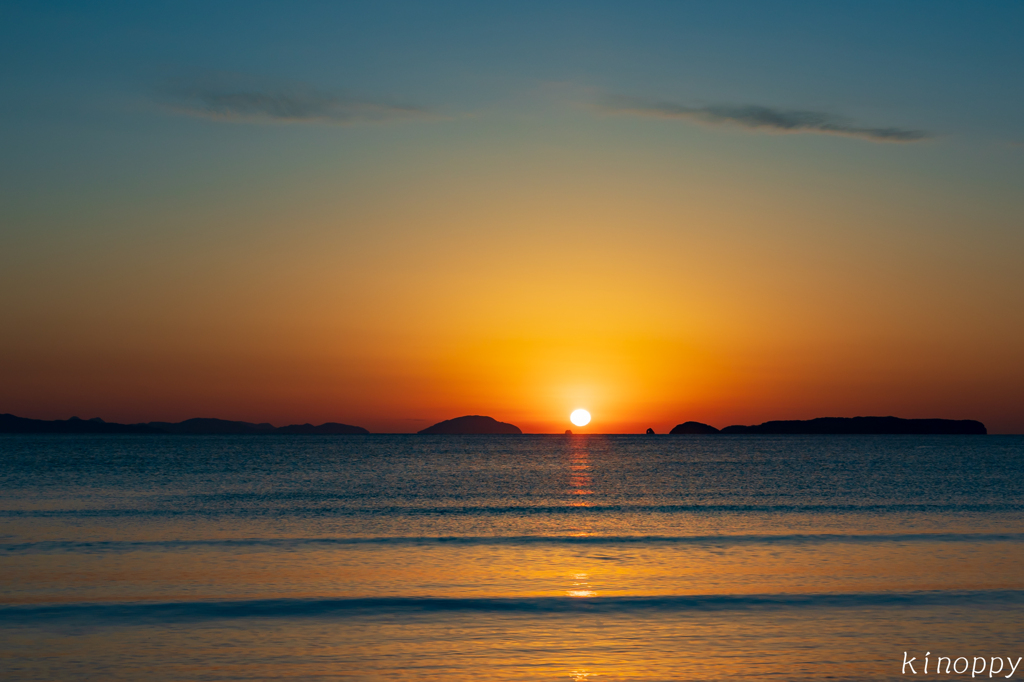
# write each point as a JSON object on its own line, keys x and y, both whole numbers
{"x": 864, "y": 426}
{"x": 201, "y": 426}
{"x": 692, "y": 428}
{"x": 196, "y": 427}
{"x": 470, "y": 426}
{"x": 11, "y": 424}
{"x": 650, "y": 432}
{"x": 328, "y": 429}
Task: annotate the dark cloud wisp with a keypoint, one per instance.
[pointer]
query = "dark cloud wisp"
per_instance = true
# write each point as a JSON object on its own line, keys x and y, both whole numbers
{"x": 763, "y": 118}
{"x": 270, "y": 104}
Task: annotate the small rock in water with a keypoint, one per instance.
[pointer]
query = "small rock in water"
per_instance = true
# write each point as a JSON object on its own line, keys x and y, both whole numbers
{"x": 650, "y": 432}
{"x": 568, "y": 432}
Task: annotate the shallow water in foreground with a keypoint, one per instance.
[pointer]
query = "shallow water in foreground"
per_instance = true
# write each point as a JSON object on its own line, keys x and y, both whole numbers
{"x": 507, "y": 557}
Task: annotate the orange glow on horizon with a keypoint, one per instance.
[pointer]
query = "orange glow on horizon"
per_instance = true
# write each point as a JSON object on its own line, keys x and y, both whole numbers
{"x": 400, "y": 314}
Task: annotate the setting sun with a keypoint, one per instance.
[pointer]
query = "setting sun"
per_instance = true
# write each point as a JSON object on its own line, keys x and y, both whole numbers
{"x": 580, "y": 417}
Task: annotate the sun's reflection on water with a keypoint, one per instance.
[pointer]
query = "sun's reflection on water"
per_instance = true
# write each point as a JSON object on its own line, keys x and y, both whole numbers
{"x": 580, "y": 587}
{"x": 579, "y": 472}
{"x": 579, "y": 491}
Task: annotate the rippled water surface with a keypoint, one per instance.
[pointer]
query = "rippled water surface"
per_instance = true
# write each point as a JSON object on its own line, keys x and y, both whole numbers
{"x": 506, "y": 557}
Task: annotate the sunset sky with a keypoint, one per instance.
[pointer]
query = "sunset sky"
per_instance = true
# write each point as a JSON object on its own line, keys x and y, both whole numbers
{"x": 388, "y": 214}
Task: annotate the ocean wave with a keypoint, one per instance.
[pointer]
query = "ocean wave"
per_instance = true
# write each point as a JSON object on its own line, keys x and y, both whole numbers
{"x": 190, "y": 510}
{"x": 190, "y": 611}
{"x": 297, "y": 544}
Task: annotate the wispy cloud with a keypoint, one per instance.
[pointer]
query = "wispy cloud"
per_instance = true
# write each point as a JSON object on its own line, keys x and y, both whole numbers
{"x": 762, "y": 118}
{"x": 243, "y": 100}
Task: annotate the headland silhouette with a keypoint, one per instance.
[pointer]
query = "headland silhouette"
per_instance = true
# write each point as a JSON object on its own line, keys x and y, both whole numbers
{"x": 845, "y": 426}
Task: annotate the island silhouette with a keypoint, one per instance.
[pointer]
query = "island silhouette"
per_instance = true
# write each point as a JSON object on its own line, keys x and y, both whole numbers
{"x": 471, "y": 425}
{"x": 692, "y": 428}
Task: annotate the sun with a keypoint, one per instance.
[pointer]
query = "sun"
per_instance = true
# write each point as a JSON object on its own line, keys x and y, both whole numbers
{"x": 580, "y": 417}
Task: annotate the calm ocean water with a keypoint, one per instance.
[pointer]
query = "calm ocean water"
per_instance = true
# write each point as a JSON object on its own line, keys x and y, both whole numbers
{"x": 507, "y": 557}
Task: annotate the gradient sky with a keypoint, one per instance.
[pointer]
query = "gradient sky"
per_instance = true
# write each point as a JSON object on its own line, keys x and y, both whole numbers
{"x": 387, "y": 214}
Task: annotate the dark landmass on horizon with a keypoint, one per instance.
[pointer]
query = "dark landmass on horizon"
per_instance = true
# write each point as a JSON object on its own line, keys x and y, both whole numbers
{"x": 193, "y": 427}
{"x": 846, "y": 426}
{"x": 482, "y": 425}
{"x": 471, "y": 425}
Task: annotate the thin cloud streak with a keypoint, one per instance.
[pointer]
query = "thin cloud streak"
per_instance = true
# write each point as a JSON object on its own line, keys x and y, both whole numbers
{"x": 246, "y": 102}
{"x": 762, "y": 118}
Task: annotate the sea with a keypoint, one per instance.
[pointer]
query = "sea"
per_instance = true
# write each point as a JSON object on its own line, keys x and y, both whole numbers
{"x": 403, "y": 557}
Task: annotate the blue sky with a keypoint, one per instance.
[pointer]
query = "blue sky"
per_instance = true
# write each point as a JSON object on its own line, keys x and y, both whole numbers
{"x": 949, "y": 66}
